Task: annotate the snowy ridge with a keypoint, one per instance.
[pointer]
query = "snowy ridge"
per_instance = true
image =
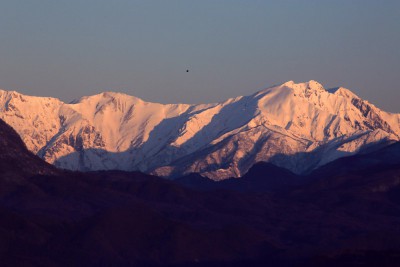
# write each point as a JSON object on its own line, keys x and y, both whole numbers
{"x": 296, "y": 126}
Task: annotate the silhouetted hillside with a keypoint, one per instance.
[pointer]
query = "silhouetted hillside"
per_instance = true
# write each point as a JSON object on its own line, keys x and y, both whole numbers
{"x": 15, "y": 158}
{"x": 262, "y": 177}
{"x": 56, "y": 218}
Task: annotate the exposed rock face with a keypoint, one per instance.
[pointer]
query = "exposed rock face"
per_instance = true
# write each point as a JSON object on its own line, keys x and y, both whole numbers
{"x": 295, "y": 126}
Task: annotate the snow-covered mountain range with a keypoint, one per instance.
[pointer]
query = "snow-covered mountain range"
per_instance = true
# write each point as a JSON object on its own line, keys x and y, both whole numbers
{"x": 296, "y": 126}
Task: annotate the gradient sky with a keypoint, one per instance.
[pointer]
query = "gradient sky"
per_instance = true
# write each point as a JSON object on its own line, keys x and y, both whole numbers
{"x": 67, "y": 49}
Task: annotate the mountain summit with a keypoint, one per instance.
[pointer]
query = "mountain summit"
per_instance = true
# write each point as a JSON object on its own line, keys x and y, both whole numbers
{"x": 298, "y": 126}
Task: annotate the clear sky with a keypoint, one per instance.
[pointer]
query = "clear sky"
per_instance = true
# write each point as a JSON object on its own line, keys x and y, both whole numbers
{"x": 68, "y": 49}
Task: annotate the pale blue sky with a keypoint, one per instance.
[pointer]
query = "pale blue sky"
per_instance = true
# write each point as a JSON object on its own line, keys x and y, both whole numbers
{"x": 68, "y": 49}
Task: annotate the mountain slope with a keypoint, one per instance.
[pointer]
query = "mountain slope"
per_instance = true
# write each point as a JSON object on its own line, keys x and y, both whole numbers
{"x": 15, "y": 159}
{"x": 364, "y": 163}
{"x": 295, "y": 126}
{"x": 266, "y": 177}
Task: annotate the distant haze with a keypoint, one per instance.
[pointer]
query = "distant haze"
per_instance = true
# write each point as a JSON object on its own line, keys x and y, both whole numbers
{"x": 67, "y": 49}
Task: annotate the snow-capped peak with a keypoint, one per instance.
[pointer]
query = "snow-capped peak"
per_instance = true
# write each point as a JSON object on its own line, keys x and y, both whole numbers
{"x": 294, "y": 125}
{"x": 341, "y": 91}
{"x": 314, "y": 85}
